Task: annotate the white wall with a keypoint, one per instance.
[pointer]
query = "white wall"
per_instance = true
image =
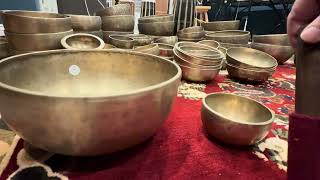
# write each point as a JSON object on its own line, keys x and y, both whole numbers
{"x": 47, "y": 5}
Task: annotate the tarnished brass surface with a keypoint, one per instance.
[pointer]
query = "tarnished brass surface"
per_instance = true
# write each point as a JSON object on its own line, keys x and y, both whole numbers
{"x": 211, "y": 43}
{"x": 36, "y": 42}
{"x": 118, "y": 23}
{"x": 166, "y": 50}
{"x": 119, "y": 9}
{"x": 155, "y": 18}
{"x": 149, "y": 49}
{"x": 157, "y": 28}
{"x": 106, "y": 34}
{"x": 28, "y": 22}
{"x": 229, "y": 36}
{"x": 280, "y": 53}
{"x": 277, "y": 39}
{"x": 181, "y": 61}
{"x": 230, "y": 45}
{"x": 82, "y": 41}
{"x": 4, "y": 48}
{"x": 248, "y": 74}
{"x": 192, "y": 35}
{"x": 191, "y": 29}
{"x": 250, "y": 58}
{"x": 140, "y": 39}
{"x": 85, "y": 23}
{"x": 221, "y": 25}
{"x": 172, "y": 40}
{"x": 198, "y": 74}
{"x": 87, "y": 102}
{"x": 121, "y": 41}
{"x": 235, "y": 120}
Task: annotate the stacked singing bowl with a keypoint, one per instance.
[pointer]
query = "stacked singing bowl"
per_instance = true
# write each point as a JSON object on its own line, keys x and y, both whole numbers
{"x": 158, "y": 25}
{"x": 98, "y": 101}
{"x": 191, "y": 34}
{"x": 277, "y": 45}
{"x": 116, "y": 20}
{"x": 28, "y": 31}
{"x": 199, "y": 63}
{"x": 250, "y": 64}
{"x": 86, "y": 24}
{"x": 221, "y": 25}
{"x": 230, "y": 38}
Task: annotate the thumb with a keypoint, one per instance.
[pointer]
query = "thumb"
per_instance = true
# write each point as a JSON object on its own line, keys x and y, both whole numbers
{"x": 311, "y": 34}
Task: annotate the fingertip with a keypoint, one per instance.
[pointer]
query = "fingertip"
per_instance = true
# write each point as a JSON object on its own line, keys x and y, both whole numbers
{"x": 311, "y": 35}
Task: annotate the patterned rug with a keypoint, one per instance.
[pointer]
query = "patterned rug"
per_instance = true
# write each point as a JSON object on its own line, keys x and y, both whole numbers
{"x": 181, "y": 149}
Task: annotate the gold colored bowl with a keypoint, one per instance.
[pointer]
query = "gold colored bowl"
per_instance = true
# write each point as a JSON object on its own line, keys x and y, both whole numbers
{"x": 91, "y": 104}
{"x": 155, "y": 18}
{"x": 221, "y": 25}
{"x": 166, "y": 50}
{"x": 36, "y": 42}
{"x": 119, "y": 9}
{"x": 211, "y": 43}
{"x": 280, "y": 53}
{"x": 149, "y": 49}
{"x": 246, "y": 74}
{"x": 276, "y": 39}
{"x": 198, "y": 74}
{"x": 250, "y": 58}
{"x": 172, "y": 40}
{"x": 118, "y": 23}
{"x": 140, "y": 39}
{"x": 157, "y": 28}
{"x": 121, "y": 41}
{"x": 82, "y": 41}
{"x": 234, "y": 119}
{"x": 4, "y": 48}
{"x": 31, "y": 22}
{"x": 85, "y": 23}
{"x": 229, "y": 36}
{"x": 106, "y": 34}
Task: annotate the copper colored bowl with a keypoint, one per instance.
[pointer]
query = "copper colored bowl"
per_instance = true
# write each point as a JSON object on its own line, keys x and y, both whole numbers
{"x": 157, "y": 28}
{"x": 82, "y": 41}
{"x": 85, "y": 23}
{"x": 199, "y": 75}
{"x": 172, "y": 40}
{"x": 248, "y": 74}
{"x": 121, "y": 41}
{"x": 276, "y": 39}
{"x": 221, "y": 25}
{"x": 119, "y": 9}
{"x": 149, "y": 49}
{"x": 234, "y": 119}
{"x": 230, "y": 36}
{"x": 118, "y": 23}
{"x": 155, "y": 18}
{"x": 91, "y": 103}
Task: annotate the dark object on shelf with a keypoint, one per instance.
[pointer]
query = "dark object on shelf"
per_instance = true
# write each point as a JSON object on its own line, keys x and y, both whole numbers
{"x": 79, "y": 7}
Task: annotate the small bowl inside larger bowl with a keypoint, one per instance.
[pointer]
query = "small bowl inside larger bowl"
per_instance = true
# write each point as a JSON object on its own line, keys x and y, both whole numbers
{"x": 82, "y": 41}
{"x": 121, "y": 41}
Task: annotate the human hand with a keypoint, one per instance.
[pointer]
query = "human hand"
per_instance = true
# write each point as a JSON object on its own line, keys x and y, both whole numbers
{"x": 304, "y": 13}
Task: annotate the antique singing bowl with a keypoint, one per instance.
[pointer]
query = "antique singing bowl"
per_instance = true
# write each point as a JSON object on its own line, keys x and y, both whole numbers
{"x": 191, "y": 35}
{"x": 85, "y": 23}
{"x": 157, "y": 28}
{"x": 277, "y": 39}
{"x": 30, "y": 22}
{"x": 93, "y": 104}
{"x": 119, "y": 9}
{"x": 230, "y": 45}
{"x": 245, "y": 74}
{"x": 106, "y": 34}
{"x": 172, "y": 40}
{"x": 36, "y": 42}
{"x": 118, "y": 23}
{"x": 229, "y": 36}
{"x": 82, "y": 41}
{"x": 250, "y": 58}
{"x": 155, "y": 18}
{"x": 211, "y": 43}
{"x": 221, "y": 25}
{"x": 166, "y": 49}
{"x": 121, "y": 41}
{"x": 280, "y": 53}
{"x": 234, "y": 119}
{"x": 4, "y": 48}
{"x": 149, "y": 49}
{"x": 198, "y": 74}
{"x": 140, "y": 39}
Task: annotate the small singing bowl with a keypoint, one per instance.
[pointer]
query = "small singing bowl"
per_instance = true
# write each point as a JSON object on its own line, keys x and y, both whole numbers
{"x": 106, "y": 34}
{"x": 166, "y": 50}
{"x": 4, "y": 48}
{"x": 280, "y": 53}
{"x": 276, "y": 39}
{"x": 211, "y": 43}
{"x": 121, "y": 41}
{"x": 155, "y": 18}
{"x": 230, "y": 45}
{"x": 250, "y": 58}
{"x": 229, "y": 36}
{"x": 140, "y": 39}
{"x": 81, "y": 41}
{"x": 172, "y": 40}
{"x": 149, "y": 49}
{"x": 118, "y": 23}
{"x": 192, "y": 35}
{"x": 198, "y": 74}
{"x": 245, "y": 74}
{"x": 157, "y": 28}
{"x": 119, "y": 9}
{"x": 191, "y": 29}
{"x": 234, "y": 119}
{"x": 85, "y": 23}
{"x": 221, "y": 25}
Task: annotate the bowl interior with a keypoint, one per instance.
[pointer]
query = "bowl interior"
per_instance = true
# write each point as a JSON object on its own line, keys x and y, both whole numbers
{"x": 83, "y": 42}
{"x": 66, "y": 73}
{"x": 237, "y": 108}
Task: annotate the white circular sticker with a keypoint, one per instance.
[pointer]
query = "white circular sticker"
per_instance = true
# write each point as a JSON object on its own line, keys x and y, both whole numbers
{"x": 74, "y": 70}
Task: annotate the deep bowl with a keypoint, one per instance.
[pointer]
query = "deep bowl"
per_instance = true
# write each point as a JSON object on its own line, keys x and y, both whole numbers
{"x": 85, "y": 23}
{"x": 245, "y": 74}
{"x": 198, "y": 74}
{"x": 277, "y": 39}
{"x": 149, "y": 49}
{"x": 221, "y": 25}
{"x": 29, "y": 22}
{"x": 118, "y": 23}
{"x": 84, "y": 103}
{"x": 121, "y": 41}
{"x": 157, "y": 28}
{"x": 82, "y": 41}
{"x": 155, "y": 18}
{"x": 230, "y": 36}
{"x": 172, "y": 40}
{"x": 119, "y": 9}
{"x": 234, "y": 119}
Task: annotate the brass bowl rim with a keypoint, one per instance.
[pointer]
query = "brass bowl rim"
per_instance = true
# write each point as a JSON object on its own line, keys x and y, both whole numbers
{"x": 112, "y": 37}
{"x": 60, "y": 16}
{"x": 251, "y": 70}
{"x": 269, "y": 35}
{"x": 201, "y": 69}
{"x": 189, "y": 40}
{"x": 167, "y": 37}
{"x": 67, "y": 46}
{"x": 138, "y": 91}
{"x": 207, "y": 40}
{"x": 183, "y": 49}
{"x": 245, "y": 33}
{"x": 37, "y": 34}
{"x": 204, "y": 103}
{"x": 154, "y": 17}
{"x": 179, "y": 44}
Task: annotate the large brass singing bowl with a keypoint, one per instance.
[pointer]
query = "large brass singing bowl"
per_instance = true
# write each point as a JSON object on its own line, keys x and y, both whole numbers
{"x": 157, "y": 28}
{"x": 4, "y": 48}
{"x": 121, "y": 41}
{"x": 250, "y": 58}
{"x": 28, "y": 22}
{"x": 87, "y": 102}
{"x": 119, "y": 9}
{"x": 118, "y": 23}
{"x": 36, "y": 42}
{"x": 211, "y": 43}
{"x": 234, "y": 119}
{"x": 155, "y": 18}
{"x": 221, "y": 25}
{"x": 85, "y": 23}
{"x": 198, "y": 74}
{"x": 229, "y": 36}
{"x": 82, "y": 41}
{"x": 172, "y": 40}
{"x": 245, "y": 74}
{"x": 277, "y": 39}
{"x": 140, "y": 39}
{"x": 280, "y": 53}
{"x": 149, "y": 49}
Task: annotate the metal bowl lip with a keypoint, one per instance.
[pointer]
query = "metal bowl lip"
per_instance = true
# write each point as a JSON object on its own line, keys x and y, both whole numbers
{"x": 201, "y": 69}
{"x": 191, "y": 29}
{"x": 261, "y": 52}
{"x": 212, "y": 34}
{"x": 269, "y": 35}
{"x": 37, "y": 34}
{"x": 182, "y": 48}
{"x": 218, "y": 22}
{"x": 67, "y": 46}
{"x": 271, "y": 45}
{"x": 7, "y": 12}
{"x": 157, "y": 23}
{"x": 176, "y": 77}
{"x": 112, "y": 37}
{"x": 208, "y": 108}
{"x": 167, "y": 45}
{"x": 177, "y": 47}
{"x": 207, "y": 40}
